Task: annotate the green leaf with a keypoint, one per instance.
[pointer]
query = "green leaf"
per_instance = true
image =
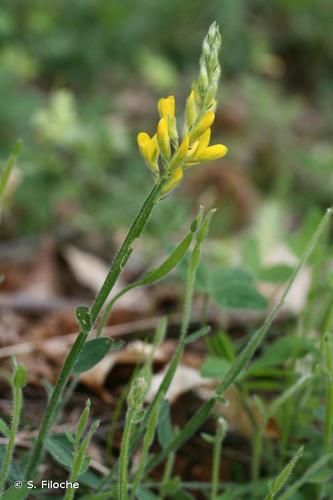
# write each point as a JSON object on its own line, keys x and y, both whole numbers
{"x": 164, "y": 426}
{"x": 14, "y": 471}
{"x": 321, "y": 477}
{"x": 84, "y": 466}
{"x": 298, "y": 241}
{"x": 230, "y": 287}
{"x": 290, "y": 492}
{"x": 250, "y": 250}
{"x": 19, "y": 377}
{"x": 4, "y": 429}
{"x": 239, "y": 296}
{"x": 278, "y": 483}
{"x": 171, "y": 486}
{"x": 170, "y": 262}
{"x": 83, "y": 420}
{"x": 182, "y": 495}
{"x": 16, "y": 493}
{"x": 279, "y": 351}
{"x": 139, "y": 416}
{"x": 228, "y": 276}
{"x": 7, "y": 169}
{"x": 145, "y": 494}
{"x": 275, "y": 274}
{"x": 68, "y": 434}
{"x": 214, "y": 367}
{"x": 221, "y": 345}
{"x": 93, "y": 352}
{"x": 84, "y": 318}
{"x": 209, "y": 438}
{"x": 197, "y": 335}
{"x": 60, "y": 449}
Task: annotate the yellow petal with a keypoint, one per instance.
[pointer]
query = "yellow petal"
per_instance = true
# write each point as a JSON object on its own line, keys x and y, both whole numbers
{"x": 166, "y": 107}
{"x": 183, "y": 148}
{"x": 212, "y": 153}
{"x": 149, "y": 149}
{"x": 175, "y": 179}
{"x": 163, "y": 138}
{"x": 203, "y": 142}
{"x": 143, "y": 140}
{"x": 205, "y": 123}
{"x": 180, "y": 154}
{"x": 153, "y": 149}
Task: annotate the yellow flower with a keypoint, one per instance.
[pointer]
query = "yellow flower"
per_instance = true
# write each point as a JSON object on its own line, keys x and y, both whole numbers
{"x": 201, "y": 151}
{"x": 175, "y": 179}
{"x": 163, "y": 138}
{"x": 204, "y": 124}
{"x": 166, "y": 107}
{"x": 212, "y": 153}
{"x": 149, "y": 149}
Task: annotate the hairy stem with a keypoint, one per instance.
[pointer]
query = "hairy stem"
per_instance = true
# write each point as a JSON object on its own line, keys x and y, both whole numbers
{"x": 17, "y": 404}
{"x": 115, "y": 270}
{"x": 124, "y": 455}
{"x": 219, "y": 436}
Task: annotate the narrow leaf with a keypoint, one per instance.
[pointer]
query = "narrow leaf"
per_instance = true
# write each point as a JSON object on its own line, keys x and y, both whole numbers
{"x": 197, "y": 335}
{"x": 167, "y": 266}
{"x": 282, "y": 478}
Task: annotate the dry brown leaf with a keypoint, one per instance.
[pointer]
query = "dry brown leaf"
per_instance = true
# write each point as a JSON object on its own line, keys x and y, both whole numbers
{"x": 185, "y": 379}
{"x": 91, "y": 272}
{"x": 88, "y": 269}
{"x": 133, "y": 353}
{"x": 297, "y": 296}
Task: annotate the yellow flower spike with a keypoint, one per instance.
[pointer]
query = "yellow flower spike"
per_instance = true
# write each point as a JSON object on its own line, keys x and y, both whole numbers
{"x": 205, "y": 123}
{"x": 163, "y": 138}
{"x": 175, "y": 179}
{"x": 190, "y": 111}
{"x": 212, "y": 153}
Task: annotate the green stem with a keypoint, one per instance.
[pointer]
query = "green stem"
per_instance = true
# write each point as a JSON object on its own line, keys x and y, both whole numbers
{"x": 328, "y": 415}
{"x": 217, "y": 461}
{"x": 78, "y": 460}
{"x": 53, "y": 405}
{"x": 124, "y": 455}
{"x": 166, "y": 474}
{"x": 126, "y": 248}
{"x": 256, "y": 452}
{"x": 115, "y": 270}
{"x": 17, "y": 404}
{"x": 328, "y": 365}
{"x": 147, "y": 442}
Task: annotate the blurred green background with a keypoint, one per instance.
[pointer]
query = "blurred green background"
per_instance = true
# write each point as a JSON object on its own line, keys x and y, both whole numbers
{"x": 79, "y": 80}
